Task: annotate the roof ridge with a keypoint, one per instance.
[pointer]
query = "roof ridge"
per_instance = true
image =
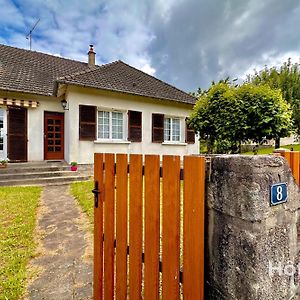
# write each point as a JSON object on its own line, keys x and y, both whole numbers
{"x": 72, "y": 75}
{"x": 165, "y": 83}
{"x": 89, "y": 70}
{"x": 108, "y": 64}
{"x": 46, "y": 54}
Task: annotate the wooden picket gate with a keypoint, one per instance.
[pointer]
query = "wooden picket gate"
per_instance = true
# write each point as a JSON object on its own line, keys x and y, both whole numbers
{"x": 293, "y": 159}
{"x": 147, "y": 242}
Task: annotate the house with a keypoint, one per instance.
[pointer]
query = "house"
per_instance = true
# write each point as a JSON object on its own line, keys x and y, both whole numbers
{"x": 52, "y": 108}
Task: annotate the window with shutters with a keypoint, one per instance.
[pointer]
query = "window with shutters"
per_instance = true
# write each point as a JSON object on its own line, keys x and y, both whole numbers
{"x": 111, "y": 125}
{"x": 167, "y": 129}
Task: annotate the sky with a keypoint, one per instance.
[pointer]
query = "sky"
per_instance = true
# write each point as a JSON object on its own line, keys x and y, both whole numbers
{"x": 187, "y": 43}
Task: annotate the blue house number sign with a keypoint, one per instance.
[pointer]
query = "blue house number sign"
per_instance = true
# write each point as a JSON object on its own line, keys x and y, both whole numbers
{"x": 278, "y": 193}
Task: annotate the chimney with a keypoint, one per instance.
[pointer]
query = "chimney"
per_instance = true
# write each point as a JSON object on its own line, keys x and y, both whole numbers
{"x": 92, "y": 56}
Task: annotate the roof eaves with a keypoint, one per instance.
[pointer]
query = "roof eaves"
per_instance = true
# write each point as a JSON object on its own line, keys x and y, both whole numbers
{"x": 125, "y": 92}
{"x": 26, "y": 92}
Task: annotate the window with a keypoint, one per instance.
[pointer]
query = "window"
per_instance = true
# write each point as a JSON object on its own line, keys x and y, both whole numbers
{"x": 167, "y": 129}
{"x": 110, "y": 125}
{"x": 172, "y": 130}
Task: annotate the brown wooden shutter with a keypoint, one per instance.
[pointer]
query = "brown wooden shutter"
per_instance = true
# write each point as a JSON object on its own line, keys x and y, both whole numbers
{"x": 87, "y": 122}
{"x": 157, "y": 128}
{"x": 189, "y": 134}
{"x": 17, "y": 133}
{"x": 134, "y": 126}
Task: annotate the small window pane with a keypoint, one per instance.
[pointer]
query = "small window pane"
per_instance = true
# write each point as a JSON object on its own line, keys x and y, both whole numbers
{"x": 117, "y": 125}
{"x": 103, "y": 124}
{"x": 167, "y": 129}
{"x": 175, "y": 130}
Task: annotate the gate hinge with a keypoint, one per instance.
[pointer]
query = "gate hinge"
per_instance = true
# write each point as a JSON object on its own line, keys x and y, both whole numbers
{"x": 96, "y": 193}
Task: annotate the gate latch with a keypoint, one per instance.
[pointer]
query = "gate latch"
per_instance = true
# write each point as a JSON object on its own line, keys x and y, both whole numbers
{"x": 96, "y": 193}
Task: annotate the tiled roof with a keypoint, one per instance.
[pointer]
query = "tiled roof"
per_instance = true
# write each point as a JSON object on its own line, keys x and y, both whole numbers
{"x": 33, "y": 72}
{"x": 39, "y": 73}
{"x": 118, "y": 76}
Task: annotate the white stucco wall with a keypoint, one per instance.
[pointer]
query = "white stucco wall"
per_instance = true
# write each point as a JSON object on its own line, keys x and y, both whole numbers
{"x": 36, "y": 127}
{"x": 83, "y": 151}
{"x": 35, "y": 121}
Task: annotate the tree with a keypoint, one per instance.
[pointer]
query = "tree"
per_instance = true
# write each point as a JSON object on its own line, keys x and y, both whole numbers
{"x": 226, "y": 116}
{"x": 287, "y": 79}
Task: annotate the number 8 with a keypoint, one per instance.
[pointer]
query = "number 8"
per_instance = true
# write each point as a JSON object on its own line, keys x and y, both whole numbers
{"x": 279, "y": 193}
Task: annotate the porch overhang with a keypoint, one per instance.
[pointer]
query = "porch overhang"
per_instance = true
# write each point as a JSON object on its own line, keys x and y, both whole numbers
{"x": 17, "y": 102}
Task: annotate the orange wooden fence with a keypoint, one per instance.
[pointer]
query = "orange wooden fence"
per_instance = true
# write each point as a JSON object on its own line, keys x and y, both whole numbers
{"x": 293, "y": 158}
{"x": 149, "y": 227}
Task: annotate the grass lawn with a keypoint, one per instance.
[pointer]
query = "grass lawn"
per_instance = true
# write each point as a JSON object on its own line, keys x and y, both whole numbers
{"x": 82, "y": 191}
{"x": 270, "y": 150}
{"x": 18, "y": 206}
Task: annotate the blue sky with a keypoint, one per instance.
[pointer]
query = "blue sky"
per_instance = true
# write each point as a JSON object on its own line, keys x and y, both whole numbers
{"x": 187, "y": 43}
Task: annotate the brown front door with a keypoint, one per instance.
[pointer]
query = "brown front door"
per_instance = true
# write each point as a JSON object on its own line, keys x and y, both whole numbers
{"x": 54, "y": 136}
{"x": 17, "y": 133}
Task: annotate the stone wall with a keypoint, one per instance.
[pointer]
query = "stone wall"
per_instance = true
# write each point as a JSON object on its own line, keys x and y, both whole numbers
{"x": 246, "y": 237}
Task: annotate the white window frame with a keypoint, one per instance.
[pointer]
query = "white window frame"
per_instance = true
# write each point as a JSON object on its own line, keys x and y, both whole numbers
{"x": 125, "y": 122}
{"x": 181, "y": 137}
{"x": 3, "y": 153}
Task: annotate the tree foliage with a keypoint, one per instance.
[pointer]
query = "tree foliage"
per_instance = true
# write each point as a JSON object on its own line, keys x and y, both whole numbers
{"x": 287, "y": 79}
{"x": 228, "y": 115}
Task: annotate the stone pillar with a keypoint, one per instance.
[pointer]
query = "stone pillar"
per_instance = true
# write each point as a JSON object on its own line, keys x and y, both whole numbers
{"x": 247, "y": 239}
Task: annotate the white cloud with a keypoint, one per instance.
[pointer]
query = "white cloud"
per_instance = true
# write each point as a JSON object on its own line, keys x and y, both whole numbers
{"x": 270, "y": 59}
{"x": 148, "y": 69}
{"x": 10, "y": 16}
{"x": 188, "y": 43}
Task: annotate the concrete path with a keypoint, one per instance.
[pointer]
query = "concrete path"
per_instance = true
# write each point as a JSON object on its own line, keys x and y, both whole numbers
{"x": 65, "y": 260}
